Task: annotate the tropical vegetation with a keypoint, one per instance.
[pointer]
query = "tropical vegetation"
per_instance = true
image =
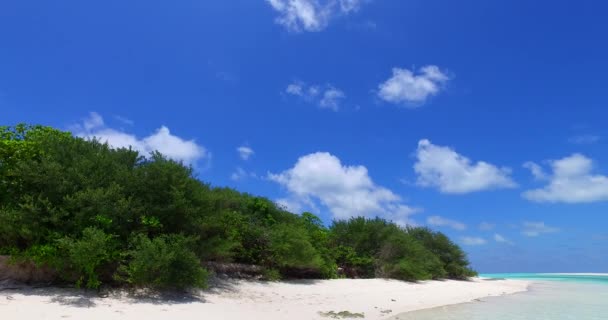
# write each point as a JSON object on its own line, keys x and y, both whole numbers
{"x": 103, "y": 215}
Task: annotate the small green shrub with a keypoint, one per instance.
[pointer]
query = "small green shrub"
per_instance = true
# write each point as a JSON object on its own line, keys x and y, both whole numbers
{"x": 342, "y": 315}
{"x": 272, "y": 275}
{"x": 40, "y": 255}
{"x": 407, "y": 270}
{"x": 84, "y": 256}
{"x": 291, "y": 247}
{"x": 165, "y": 262}
{"x": 354, "y": 264}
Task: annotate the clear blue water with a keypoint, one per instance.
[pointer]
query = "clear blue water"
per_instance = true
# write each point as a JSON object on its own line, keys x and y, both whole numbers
{"x": 551, "y": 297}
{"x": 562, "y": 277}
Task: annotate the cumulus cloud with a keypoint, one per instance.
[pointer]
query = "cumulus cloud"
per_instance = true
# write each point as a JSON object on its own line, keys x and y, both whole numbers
{"x": 572, "y": 181}
{"x": 245, "y": 152}
{"x": 162, "y": 140}
{"x": 473, "y": 241}
{"x": 501, "y": 239}
{"x": 311, "y": 15}
{"x": 347, "y": 191}
{"x": 408, "y": 88}
{"x": 439, "y": 221}
{"x": 535, "y": 229}
{"x": 328, "y": 96}
{"x": 450, "y": 172}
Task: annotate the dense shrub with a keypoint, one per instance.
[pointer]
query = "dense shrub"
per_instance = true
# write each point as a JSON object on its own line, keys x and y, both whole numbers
{"x": 98, "y": 213}
{"x": 454, "y": 261}
{"x": 165, "y": 262}
{"x": 291, "y": 247}
{"x": 402, "y": 257}
{"x": 353, "y": 264}
{"x": 379, "y": 248}
{"x": 86, "y": 255}
{"x": 319, "y": 236}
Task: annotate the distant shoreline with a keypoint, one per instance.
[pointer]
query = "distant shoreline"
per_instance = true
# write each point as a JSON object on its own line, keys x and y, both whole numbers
{"x": 241, "y": 299}
{"x": 544, "y": 275}
{"x": 577, "y": 274}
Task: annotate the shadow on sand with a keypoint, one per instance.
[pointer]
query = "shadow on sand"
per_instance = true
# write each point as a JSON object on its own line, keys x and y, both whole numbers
{"x": 81, "y": 298}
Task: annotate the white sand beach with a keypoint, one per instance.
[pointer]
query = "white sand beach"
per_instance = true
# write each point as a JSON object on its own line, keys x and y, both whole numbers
{"x": 238, "y": 299}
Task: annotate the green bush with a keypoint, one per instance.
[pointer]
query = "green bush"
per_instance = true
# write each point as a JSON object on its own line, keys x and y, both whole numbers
{"x": 86, "y": 255}
{"x": 404, "y": 258}
{"x": 291, "y": 247}
{"x": 165, "y": 262}
{"x": 272, "y": 275}
{"x": 41, "y": 255}
{"x": 454, "y": 261}
{"x": 318, "y": 236}
{"x": 354, "y": 264}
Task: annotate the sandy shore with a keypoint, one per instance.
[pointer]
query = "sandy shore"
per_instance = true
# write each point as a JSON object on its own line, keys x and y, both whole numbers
{"x": 375, "y": 298}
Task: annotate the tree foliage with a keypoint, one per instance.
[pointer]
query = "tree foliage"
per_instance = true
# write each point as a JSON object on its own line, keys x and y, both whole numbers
{"x": 100, "y": 214}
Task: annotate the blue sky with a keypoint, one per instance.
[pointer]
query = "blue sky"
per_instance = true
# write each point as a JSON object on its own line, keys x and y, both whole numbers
{"x": 483, "y": 119}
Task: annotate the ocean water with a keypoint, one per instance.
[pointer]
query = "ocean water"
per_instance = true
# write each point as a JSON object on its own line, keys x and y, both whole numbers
{"x": 551, "y": 297}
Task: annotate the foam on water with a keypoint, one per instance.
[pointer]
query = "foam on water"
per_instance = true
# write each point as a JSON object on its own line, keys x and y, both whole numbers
{"x": 551, "y": 297}
{"x": 562, "y": 277}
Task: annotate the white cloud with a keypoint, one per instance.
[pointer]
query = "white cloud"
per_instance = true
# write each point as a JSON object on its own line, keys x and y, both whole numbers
{"x": 331, "y": 99}
{"x": 536, "y": 170}
{"x": 350, "y": 5}
{"x": 443, "y": 222}
{"x": 473, "y": 241}
{"x": 311, "y": 15}
{"x": 486, "y": 226}
{"x": 327, "y": 96}
{"x": 290, "y": 205}
{"x": 124, "y": 120}
{"x": 534, "y": 229}
{"x": 584, "y": 139}
{"x": 162, "y": 140}
{"x": 245, "y": 152}
{"x": 450, "y": 172}
{"x": 347, "y": 191}
{"x": 93, "y": 121}
{"x": 312, "y": 92}
{"x": 240, "y": 174}
{"x": 571, "y": 181}
{"x": 501, "y": 239}
{"x": 406, "y": 87}
{"x": 295, "y": 89}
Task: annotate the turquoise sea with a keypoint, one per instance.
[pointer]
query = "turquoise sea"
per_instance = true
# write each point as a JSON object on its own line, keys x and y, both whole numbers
{"x": 551, "y": 297}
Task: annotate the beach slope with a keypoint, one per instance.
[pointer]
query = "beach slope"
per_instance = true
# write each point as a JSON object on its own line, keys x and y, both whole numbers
{"x": 237, "y": 299}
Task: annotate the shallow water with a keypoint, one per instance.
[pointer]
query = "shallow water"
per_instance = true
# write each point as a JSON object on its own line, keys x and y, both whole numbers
{"x": 551, "y": 297}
